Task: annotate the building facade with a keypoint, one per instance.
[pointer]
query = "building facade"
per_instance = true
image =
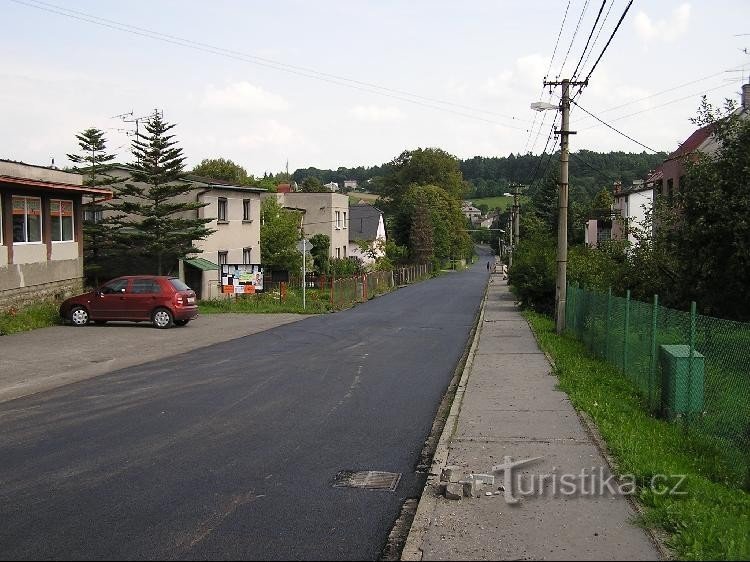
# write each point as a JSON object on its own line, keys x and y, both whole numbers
{"x": 41, "y": 232}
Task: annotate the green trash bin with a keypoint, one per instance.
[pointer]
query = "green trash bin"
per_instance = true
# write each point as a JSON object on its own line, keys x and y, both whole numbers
{"x": 681, "y": 389}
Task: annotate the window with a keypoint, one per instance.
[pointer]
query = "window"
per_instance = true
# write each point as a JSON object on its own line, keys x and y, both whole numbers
{"x": 247, "y": 255}
{"x": 27, "y": 219}
{"x": 145, "y": 287}
{"x": 246, "y": 210}
{"x": 344, "y": 249}
{"x": 338, "y": 220}
{"x": 344, "y": 219}
{"x": 61, "y": 213}
{"x": 116, "y": 286}
{"x": 223, "y": 258}
{"x": 92, "y": 214}
{"x": 222, "y": 210}
{"x": 338, "y": 253}
{"x": 179, "y": 285}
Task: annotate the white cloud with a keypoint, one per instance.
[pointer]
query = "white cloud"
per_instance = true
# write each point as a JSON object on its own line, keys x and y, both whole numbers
{"x": 663, "y": 29}
{"x": 243, "y": 96}
{"x": 376, "y": 114}
{"x": 269, "y": 133}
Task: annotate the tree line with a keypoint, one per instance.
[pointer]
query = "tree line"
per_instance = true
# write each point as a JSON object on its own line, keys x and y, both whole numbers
{"x": 694, "y": 246}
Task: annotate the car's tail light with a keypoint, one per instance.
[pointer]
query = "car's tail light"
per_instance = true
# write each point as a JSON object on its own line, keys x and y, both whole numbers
{"x": 178, "y": 300}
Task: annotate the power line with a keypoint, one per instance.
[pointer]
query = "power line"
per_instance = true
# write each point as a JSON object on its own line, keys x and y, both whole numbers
{"x": 615, "y": 130}
{"x": 575, "y": 33}
{"x": 593, "y": 28}
{"x": 269, "y": 63}
{"x": 604, "y": 50}
{"x": 598, "y": 33}
{"x": 691, "y": 96}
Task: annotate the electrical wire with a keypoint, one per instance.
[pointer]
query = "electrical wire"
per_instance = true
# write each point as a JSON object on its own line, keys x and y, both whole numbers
{"x": 612, "y": 36}
{"x": 613, "y": 128}
{"x": 593, "y": 28}
{"x": 269, "y": 63}
{"x": 575, "y": 33}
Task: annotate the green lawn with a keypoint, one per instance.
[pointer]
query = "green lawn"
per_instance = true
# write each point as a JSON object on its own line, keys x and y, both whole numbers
{"x": 712, "y": 520}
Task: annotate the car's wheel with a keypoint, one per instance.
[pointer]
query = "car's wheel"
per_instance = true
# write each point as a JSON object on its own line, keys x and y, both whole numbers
{"x": 181, "y": 322}
{"x": 79, "y": 316}
{"x": 162, "y": 318}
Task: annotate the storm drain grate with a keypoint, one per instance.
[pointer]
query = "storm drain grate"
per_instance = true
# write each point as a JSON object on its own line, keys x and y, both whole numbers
{"x": 367, "y": 479}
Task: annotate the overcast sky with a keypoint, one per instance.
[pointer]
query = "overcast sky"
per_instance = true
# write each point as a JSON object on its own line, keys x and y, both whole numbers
{"x": 348, "y": 83}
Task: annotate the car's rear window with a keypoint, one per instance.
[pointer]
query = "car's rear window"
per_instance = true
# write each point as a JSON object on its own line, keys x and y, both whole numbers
{"x": 179, "y": 285}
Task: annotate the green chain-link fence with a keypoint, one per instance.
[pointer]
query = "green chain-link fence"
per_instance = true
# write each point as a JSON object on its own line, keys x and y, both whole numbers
{"x": 690, "y": 368}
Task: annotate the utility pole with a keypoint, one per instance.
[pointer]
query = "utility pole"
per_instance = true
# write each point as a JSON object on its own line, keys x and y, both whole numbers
{"x": 561, "y": 286}
{"x": 516, "y": 214}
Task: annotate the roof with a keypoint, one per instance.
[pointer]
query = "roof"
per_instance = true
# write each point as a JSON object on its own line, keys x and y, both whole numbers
{"x": 202, "y": 264}
{"x": 363, "y": 222}
{"x": 692, "y": 143}
{"x": 55, "y": 186}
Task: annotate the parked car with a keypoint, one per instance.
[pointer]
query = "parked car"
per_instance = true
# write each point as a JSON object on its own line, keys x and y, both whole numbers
{"x": 161, "y": 300}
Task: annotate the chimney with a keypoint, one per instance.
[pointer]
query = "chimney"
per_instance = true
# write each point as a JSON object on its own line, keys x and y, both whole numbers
{"x": 746, "y": 96}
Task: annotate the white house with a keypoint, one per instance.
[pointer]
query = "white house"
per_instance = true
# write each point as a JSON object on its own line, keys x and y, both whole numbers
{"x": 366, "y": 223}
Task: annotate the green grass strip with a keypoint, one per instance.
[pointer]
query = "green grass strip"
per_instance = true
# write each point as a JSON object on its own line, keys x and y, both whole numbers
{"x": 712, "y": 520}
{"x": 40, "y": 315}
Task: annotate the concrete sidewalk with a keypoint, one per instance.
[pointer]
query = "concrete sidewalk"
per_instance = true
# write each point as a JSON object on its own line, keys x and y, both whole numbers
{"x": 508, "y": 405}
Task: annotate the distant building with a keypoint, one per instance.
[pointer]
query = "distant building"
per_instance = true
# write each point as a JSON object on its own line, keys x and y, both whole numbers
{"x": 332, "y": 186}
{"x": 471, "y": 212}
{"x": 350, "y": 185}
{"x": 324, "y": 213}
{"x": 366, "y": 224}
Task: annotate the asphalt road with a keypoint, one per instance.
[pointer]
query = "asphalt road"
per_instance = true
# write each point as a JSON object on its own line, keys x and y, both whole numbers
{"x": 230, "y": 451}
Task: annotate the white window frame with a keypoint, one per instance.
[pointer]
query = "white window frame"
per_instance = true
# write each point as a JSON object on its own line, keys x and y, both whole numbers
{"x": 338, "y": 220}
{"x": 247, "y": 210}
{"x": 223, "y": 257}
{"x": 25, "y": 223}
{"x": 72, "y": 218}
{"x": 247, "y": 256}
{"x": 344, "y": 219}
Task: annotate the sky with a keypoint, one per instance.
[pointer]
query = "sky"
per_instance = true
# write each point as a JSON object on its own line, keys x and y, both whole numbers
{"x": 354, "y": 83}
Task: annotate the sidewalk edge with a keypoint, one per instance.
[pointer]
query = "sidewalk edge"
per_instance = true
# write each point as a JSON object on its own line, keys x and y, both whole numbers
{"x": 592, "y": 430}
{"x": 428, "y": 500}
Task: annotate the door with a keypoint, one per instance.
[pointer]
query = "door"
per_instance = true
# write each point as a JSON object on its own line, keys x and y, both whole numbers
{"x": 108, "y": 302}
{"x": 144, "y": 295}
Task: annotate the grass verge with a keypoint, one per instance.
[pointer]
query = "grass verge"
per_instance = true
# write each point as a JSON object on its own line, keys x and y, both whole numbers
{"x": 711, "y": 521}
{"x": 317, "y": 302}
{"x": 40, "y": 315}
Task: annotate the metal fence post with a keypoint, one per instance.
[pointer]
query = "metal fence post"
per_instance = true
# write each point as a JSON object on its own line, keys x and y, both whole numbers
{"x": 690, "y": 362}
{"x": 652, "y": 382}
{"x": 625, "y": 336}
{"x": 609, "y": 323}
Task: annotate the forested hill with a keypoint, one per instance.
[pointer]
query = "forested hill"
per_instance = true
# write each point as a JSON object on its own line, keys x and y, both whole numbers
{"x": 589, "y": 171}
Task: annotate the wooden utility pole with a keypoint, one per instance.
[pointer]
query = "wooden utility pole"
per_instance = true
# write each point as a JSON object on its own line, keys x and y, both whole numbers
{"x": 516, "y": 214}
{"x": 561, "y": 286}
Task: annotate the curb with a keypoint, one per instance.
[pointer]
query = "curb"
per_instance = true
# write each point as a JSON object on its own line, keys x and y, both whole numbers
{"x": 427, "y": 502}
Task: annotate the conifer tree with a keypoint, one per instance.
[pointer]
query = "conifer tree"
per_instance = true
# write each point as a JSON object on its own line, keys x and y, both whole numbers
{"x": 156, "y": 217}
{"x": 94, "y": 163}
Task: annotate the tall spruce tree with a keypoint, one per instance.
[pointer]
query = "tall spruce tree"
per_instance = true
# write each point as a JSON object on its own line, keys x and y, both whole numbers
{"x": 155, "y": 217}
{"x": 94, "y": 163}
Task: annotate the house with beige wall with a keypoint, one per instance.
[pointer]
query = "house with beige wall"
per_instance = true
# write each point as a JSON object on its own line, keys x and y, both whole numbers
{"x": 41, "y": 233}
{"x": 235, "y": 219}
{"x": 324, "y": 213}
{"x": 235, "y": 214}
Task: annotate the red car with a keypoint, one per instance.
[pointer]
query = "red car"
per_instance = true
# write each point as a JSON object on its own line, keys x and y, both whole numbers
{"x": 164, "y": 301}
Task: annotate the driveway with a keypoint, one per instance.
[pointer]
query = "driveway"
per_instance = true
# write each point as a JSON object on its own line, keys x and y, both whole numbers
{"x": 51, "y": 357}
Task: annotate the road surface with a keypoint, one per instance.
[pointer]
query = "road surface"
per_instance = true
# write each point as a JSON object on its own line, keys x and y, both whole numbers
{"x": 230, "y": 451}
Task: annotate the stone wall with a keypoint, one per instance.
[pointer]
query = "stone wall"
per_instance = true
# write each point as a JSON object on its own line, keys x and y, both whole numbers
{"x": 22, "y": 284}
